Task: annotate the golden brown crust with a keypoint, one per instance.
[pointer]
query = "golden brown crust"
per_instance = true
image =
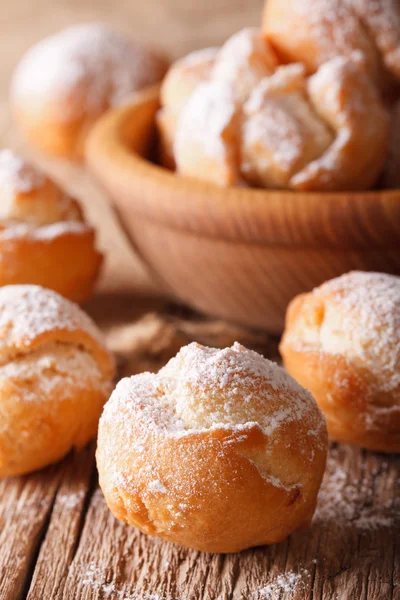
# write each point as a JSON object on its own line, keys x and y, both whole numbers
{"x": 44, "y": 238}
{"x": 353, "y": 382}
{"x": 168, "y": 466}
{"x": 315, "y": 31}
{"x": 67, "y": 81}
{"x": 55, "y": 375}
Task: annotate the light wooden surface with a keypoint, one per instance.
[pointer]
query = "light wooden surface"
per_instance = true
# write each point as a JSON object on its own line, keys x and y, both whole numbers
{"x": 58, "y": 541}
{"x": 239, "y": 253}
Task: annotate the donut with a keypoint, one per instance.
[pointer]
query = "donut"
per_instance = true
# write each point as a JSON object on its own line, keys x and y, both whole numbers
{"x": 66, "y": 81}
{"x": 219, "y": 451}
{"x": 315, "y": 31}
{"x": 182, "y": 78}
{"x": 55, "y": 378}
{"x": 243, "y": 61}
{"x": 342, "y": 342}
{"x": 206, "y": 144}
{"x": 44, "y": 238}
{"x": 344, "y": 97}
{"x": 281, "y": 132}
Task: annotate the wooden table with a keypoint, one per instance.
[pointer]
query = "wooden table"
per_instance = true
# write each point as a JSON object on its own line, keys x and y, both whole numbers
{"x": 57, "y": 538}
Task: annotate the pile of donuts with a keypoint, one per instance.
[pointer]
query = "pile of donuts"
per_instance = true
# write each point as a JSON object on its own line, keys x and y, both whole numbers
{"x": 309, "y": 102}
{"x": 221, "y": 450}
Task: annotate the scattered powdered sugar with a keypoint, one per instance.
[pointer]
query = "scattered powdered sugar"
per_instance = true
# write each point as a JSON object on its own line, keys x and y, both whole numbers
{"x": 96, "y": 579}
{"x": 284, "y": 583}
{"x": 29, "y": 311}
{"x": 51, "y": 372}
{"x": 85, "y": 67}
{"x": 344, "y": 503}
{"x": 17, "y": 175}
{"x": 71, "y": 500}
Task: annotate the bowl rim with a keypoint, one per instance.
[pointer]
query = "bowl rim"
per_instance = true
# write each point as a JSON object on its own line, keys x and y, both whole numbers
{"x": 242, "y": 214}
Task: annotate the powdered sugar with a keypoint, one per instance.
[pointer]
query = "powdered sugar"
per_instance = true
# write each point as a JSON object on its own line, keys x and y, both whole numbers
{"x": 281, "y": 131}
{"x": 286, "y": 583}
{"x": 86, "y": 67}
{"x": 243, "y": 61}
{"x": 28, "y": 312}
{"x": 340, "y": 502}
{"x": 204, "y": 120}
{"x": 96, "y": 579}
{"x": 16, "y": 175}
{"x": 15, "y": 230}
{"x": 231, "y": 393}
{"x": 361, "y": 322}
{"x": 51, "y": 372}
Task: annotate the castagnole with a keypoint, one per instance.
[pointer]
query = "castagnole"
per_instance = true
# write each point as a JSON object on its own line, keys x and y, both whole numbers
{"x": 220, "y": 450}
{"x": 55, "y": 375}
{"x": 342, "y": 341}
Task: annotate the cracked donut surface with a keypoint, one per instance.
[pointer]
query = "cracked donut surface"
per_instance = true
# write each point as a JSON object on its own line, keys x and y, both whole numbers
{"x": 55, "y": 375}
{"x": 44, "y": 237}
{"x": 219, "y": 451}
{"x": 342, "y": 341}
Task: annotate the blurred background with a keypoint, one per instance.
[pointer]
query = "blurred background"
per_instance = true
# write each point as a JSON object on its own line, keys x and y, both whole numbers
{"x": 174, "y": 26}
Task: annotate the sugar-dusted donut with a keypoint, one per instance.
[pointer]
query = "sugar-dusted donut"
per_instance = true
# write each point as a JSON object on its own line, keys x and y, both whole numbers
{"x": 342, "y": 341}
{"x": 44, "y": 238}
{"x": 66, "y": 81}
{"x": 219, "y": 451}
{"x": 55, "y": 376}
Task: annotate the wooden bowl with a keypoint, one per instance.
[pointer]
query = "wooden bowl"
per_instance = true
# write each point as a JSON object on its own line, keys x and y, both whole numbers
{"x": 240, "y": 254}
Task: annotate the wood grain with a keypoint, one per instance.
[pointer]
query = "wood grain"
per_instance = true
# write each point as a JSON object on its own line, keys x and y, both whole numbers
{"x": 58, "y": 540}
{"x": 237, "y": 253}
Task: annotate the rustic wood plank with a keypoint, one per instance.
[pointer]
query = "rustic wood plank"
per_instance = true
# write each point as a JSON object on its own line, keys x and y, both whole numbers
{"x": 25, "y": 508}
{"x": 57, "y": 528}
{"x": 349, "y": 553}
{"x": 59, "y": 543}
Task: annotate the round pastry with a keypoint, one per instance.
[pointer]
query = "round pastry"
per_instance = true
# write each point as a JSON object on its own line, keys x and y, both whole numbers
{"x": 44, "y": 238}
{"x": 65, "y": 82}
{"x": 314, "y": 31}
{"x": 207, "y": 140}
{"x": 219, "y": 451}
{"x": 181, "y": 80}
{"x": 55, "y": 376}
{"x": 281, "y": 131}
{"x": 342, "y": 342}
{"x": 344, "y": 97}
{"x": 328, "y": 133}
{"x": 243, "y": 61}
{"x": 183, "y": 76}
